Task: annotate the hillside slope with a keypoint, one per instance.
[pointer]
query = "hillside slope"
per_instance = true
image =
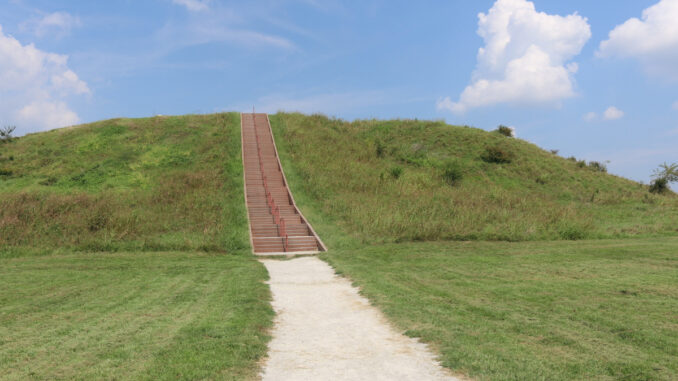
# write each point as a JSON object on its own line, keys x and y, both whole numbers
{"x": 408, "y": 180}
{"x": 162, "y": 183}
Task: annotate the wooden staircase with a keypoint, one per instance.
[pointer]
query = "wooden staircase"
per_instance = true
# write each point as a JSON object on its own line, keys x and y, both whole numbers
{"x": 276, "y": 224}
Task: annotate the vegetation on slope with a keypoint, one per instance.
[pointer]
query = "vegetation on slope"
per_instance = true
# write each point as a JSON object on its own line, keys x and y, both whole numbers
{"x": 137, "y": 187}
{"x": 408, "y": 180}
{"x": 162, "y": 183}
{"x": 586, "y": 310}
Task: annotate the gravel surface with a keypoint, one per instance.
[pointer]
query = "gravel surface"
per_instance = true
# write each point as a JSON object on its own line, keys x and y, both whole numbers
{"x": 324, "y": 330}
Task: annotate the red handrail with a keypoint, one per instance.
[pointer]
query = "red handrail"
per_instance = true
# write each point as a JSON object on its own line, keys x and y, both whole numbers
{"x": 275, "y": 210}
{"x": 283, "y": 234}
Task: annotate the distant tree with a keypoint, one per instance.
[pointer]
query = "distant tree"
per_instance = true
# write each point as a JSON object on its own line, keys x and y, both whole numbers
{"x": 667, "y": 171}
{"x": 663, "y": 176}
{"x": 6, "y": 133}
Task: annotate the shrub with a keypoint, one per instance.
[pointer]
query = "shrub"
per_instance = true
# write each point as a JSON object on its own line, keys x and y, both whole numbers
{"x": 5, "y": 172}
{"x": 667, "y": 171}
{"x": 396, "y": 172}
{"x": 597, "y": 166}
{"x": 6, "y": 133}
{"x": 581, "y": 163}
{"x": 497, "y": 154}
{"x": 659, "y": 185}
{"x": 452, "y": 173}
{"x": 506, "y": 131}
{"x": 554, "y": 151}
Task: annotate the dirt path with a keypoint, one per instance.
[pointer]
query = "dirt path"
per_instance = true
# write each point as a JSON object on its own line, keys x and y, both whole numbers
{"x": 324, "y": 330}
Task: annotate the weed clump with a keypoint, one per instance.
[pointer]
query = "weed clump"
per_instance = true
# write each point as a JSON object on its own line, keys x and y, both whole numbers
{"x": 380, "y": 148}
{"x": 452, "y": 173}
{"x": 498, "y": 154}
{"x": 396, "y": 172}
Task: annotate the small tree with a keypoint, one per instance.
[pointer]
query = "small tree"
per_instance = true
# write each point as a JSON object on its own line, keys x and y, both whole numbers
{"x": 6, "y": 133}
{"x": 665, "y": 174}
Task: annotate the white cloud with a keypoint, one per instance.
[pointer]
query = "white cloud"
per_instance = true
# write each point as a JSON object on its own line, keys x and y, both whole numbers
{"x": 590, "y": 116}
{"x": 194, "y": 5}
{"x": 35, "y": 86}
{"x": 525, "y": 58}
{"x": 47, "y": 113}
{"x": 218, "y": 26}
{"x": 613, "y": 113}
{"x": 57, "y": 24}
{"x": 652, "y": 40}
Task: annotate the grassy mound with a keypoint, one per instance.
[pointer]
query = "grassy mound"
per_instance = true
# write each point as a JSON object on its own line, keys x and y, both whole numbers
{"x": 163, "y": 183}
{"x": 408, "y": 180}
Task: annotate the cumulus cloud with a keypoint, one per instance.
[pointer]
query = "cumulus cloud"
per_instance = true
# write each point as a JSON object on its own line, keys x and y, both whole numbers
{"x": 613, "y": 113}
{"x": 35, "y": 86}
{"x": 653, "y": 39}
{"x": 194, "y": 5}
{"x": 526, "y": 58}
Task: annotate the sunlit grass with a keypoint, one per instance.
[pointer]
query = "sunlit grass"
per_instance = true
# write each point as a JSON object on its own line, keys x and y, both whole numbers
{"x": 131, "y": 316}
{"x": 163, "y": 183}
{"x": 587, "y": 310}
{"x": 344, "y": 171}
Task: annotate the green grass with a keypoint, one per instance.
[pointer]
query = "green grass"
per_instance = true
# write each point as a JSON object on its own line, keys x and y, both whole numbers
{"x": 586, "y": 310}
{"x": 407, "y": 180}
{"x": 149, "y": 316}
{"x": 163, "y": 183}
{"x": 124, "y": 254}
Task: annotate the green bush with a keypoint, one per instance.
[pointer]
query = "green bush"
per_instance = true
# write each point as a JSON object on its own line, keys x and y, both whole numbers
{"x": 659, "y": 186}
{"x": 498, "y": 154}
{"x": 506, "y": 131}
{"x": 597, "y": 166}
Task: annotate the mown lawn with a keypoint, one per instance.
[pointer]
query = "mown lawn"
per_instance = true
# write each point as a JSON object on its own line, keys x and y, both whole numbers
{"x": 587, "y": 310}
{"x": 125, "y": 316}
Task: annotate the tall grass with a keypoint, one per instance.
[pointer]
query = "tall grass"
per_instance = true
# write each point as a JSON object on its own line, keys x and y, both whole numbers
{"x": 344, "y": 171}
{"x": 163, "y": 183}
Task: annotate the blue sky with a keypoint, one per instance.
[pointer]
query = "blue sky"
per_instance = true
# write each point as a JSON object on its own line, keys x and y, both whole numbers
{"x": 593, "y": 79}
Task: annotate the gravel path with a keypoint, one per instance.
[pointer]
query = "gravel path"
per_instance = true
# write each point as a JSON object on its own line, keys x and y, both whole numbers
{"x": 324, "y": 330}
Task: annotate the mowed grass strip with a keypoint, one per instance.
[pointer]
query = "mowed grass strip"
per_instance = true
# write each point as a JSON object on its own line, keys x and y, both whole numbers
{"x": 587, "y": 310}
{"x": 151, "y": 316}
